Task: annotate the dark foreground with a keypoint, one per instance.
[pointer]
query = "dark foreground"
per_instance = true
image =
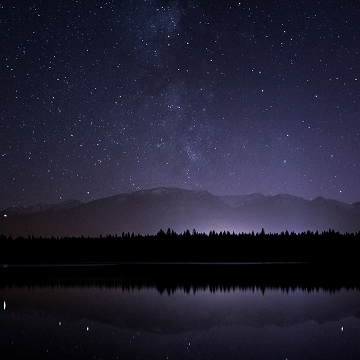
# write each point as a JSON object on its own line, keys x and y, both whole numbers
{"x": 179, "y": 311}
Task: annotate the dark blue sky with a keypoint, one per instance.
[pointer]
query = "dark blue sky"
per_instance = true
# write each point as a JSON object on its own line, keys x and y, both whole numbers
{"x": 99, "y": 98}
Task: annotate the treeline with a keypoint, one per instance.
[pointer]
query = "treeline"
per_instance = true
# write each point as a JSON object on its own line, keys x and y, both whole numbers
{"x": 169, "y": 246}
{"x": 171, "y": 233}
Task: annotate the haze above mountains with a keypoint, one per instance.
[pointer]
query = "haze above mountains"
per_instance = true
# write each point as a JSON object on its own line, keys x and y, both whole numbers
{"x": 148, "y": 211}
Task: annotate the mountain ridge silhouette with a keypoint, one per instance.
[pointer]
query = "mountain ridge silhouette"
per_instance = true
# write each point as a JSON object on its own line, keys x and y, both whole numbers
{"x": 146, "y": 211}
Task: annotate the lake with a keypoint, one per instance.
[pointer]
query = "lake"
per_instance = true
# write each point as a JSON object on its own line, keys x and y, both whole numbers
{"x": 178, "y": 312}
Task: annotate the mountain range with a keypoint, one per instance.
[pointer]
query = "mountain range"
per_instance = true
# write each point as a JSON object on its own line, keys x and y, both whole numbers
{"x": 147, "y": 211}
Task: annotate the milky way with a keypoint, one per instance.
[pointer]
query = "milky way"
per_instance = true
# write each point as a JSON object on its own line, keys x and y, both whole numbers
{"x": 101, "y": 98}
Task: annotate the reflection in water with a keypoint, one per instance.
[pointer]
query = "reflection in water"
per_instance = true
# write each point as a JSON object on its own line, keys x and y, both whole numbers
{"x": 131, "y": 317}
{"x": 190, "y": 278}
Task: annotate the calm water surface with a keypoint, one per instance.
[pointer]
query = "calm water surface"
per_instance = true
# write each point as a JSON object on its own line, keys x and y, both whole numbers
{"x": 42, "y": 319}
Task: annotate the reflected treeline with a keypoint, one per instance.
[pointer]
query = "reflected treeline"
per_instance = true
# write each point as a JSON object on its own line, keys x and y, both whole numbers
{"x": 168, "y": 278}
{"x": 328, "y": 246}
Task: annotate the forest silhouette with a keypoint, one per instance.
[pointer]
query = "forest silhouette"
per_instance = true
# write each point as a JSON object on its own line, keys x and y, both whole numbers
{"x": 187, "y": 247}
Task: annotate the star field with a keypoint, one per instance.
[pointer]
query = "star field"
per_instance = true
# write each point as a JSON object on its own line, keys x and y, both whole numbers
{"x": 100, "y": 98}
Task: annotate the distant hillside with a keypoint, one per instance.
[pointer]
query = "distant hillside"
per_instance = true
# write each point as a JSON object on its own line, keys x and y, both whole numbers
{"x": 147, "y": 211}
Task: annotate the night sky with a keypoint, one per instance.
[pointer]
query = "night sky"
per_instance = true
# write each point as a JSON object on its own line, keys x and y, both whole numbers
{"x": 100, "y": 98}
